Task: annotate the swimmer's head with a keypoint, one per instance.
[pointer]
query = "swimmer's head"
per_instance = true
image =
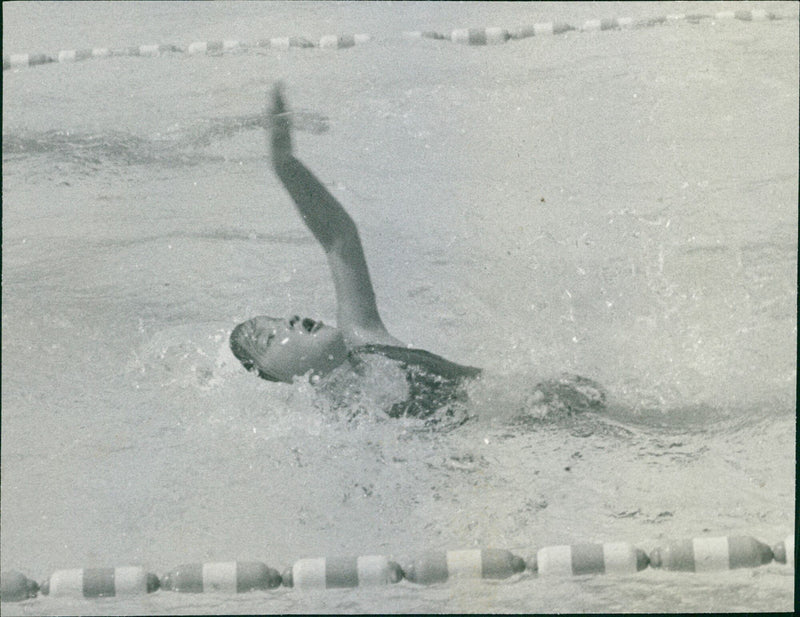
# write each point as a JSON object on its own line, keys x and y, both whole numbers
{"x": 280, "y": 349}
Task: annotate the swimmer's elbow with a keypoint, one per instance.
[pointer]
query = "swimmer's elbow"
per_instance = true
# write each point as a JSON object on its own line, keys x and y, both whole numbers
{"x": 339, "y": 239}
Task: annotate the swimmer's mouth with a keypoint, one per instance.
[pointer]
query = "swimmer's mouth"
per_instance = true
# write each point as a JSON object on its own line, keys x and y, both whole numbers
{"x": 311, "y": 325}
{"x": 308, "y": 324}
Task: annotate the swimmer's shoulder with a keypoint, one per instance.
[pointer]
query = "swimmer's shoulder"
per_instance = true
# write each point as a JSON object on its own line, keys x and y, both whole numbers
{"x": 425, "y": 360}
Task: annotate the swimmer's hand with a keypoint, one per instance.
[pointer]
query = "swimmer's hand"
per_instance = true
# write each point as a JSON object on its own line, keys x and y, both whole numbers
{"x": 280, "y": 136}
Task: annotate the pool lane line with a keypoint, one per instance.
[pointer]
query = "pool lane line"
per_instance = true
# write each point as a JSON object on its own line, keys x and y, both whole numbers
{"x": 703, "y": 554}
{"x": 467, "y": 36}
{"x": 211, "y": 48}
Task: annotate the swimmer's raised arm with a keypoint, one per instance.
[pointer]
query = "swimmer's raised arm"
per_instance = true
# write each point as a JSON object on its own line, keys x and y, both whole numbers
{"x": 323, "y": 214}
{"x": 357, "y": 312}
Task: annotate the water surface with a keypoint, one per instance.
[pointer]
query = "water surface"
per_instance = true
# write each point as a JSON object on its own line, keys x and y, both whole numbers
{"x": 621, "y": 205}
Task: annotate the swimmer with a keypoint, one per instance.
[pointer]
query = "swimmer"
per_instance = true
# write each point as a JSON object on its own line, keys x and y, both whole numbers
{"x": 281, "y": 349}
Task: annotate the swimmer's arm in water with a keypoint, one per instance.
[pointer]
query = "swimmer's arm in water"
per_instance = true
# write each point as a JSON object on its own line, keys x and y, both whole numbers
{"x": 357, "y": 312}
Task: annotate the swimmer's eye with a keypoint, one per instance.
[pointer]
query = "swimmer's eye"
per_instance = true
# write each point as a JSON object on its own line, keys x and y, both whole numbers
{"x": 309, "y": 324}
{"x": 294, "y": 320}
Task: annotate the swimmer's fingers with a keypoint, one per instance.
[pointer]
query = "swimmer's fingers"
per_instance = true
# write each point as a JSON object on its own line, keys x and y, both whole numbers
{"x": 281, "y": 139}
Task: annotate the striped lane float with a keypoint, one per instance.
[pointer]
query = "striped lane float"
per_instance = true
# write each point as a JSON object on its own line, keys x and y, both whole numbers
{"x": 15, "y": 587}
{"x": 74, "y": 55}
{"x": 100, "y": 582}
{"x": 784, "y": 551}
{"x": 437, "y": 567}
{"x": 214, "y": 47}
{"x": 227, "y": 577}
{"x": 650, "y": 22}
{"x": 338, "y": 572}
{"x": 754, "y": 15}
{"x": 14, "y": 61}
{"x": 342, "y": 41}
{"x": 144, "y": 50}
{"x": 204, "y": 47}
{"x": 233, "y": 46}
{"x": 692, "y": 18}
{"x": 156, "y": 50}
{"x": 710, "y": 554}
{"x": 608, "y": 558}
{"x": 124, "y": 51}
{"x": 596, "y": 25}
{"x": 522, "y": 32}
{"x": 696, "y": 18}
{"x": 480, "y": 36}
{"x": 551, "y": 28}
{"x": 747, "y": 15}
{"x": 285, "y": 42}
{"x": 426, "y": 34}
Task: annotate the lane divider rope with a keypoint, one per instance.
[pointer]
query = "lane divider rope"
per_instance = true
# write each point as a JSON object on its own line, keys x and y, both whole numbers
{"x": 466, "y": 36}
{"x": 620, "y": 558}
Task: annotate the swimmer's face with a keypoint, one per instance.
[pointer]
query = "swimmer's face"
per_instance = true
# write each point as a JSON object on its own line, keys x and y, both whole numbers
{"x": 281, "y": 349}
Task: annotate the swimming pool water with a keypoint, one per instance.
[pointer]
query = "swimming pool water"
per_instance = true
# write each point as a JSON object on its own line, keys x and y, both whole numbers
{"x": 621, "y": 205}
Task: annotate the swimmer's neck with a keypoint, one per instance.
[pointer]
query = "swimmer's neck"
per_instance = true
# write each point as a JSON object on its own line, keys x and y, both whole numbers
{"x": 356, "y": 337}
